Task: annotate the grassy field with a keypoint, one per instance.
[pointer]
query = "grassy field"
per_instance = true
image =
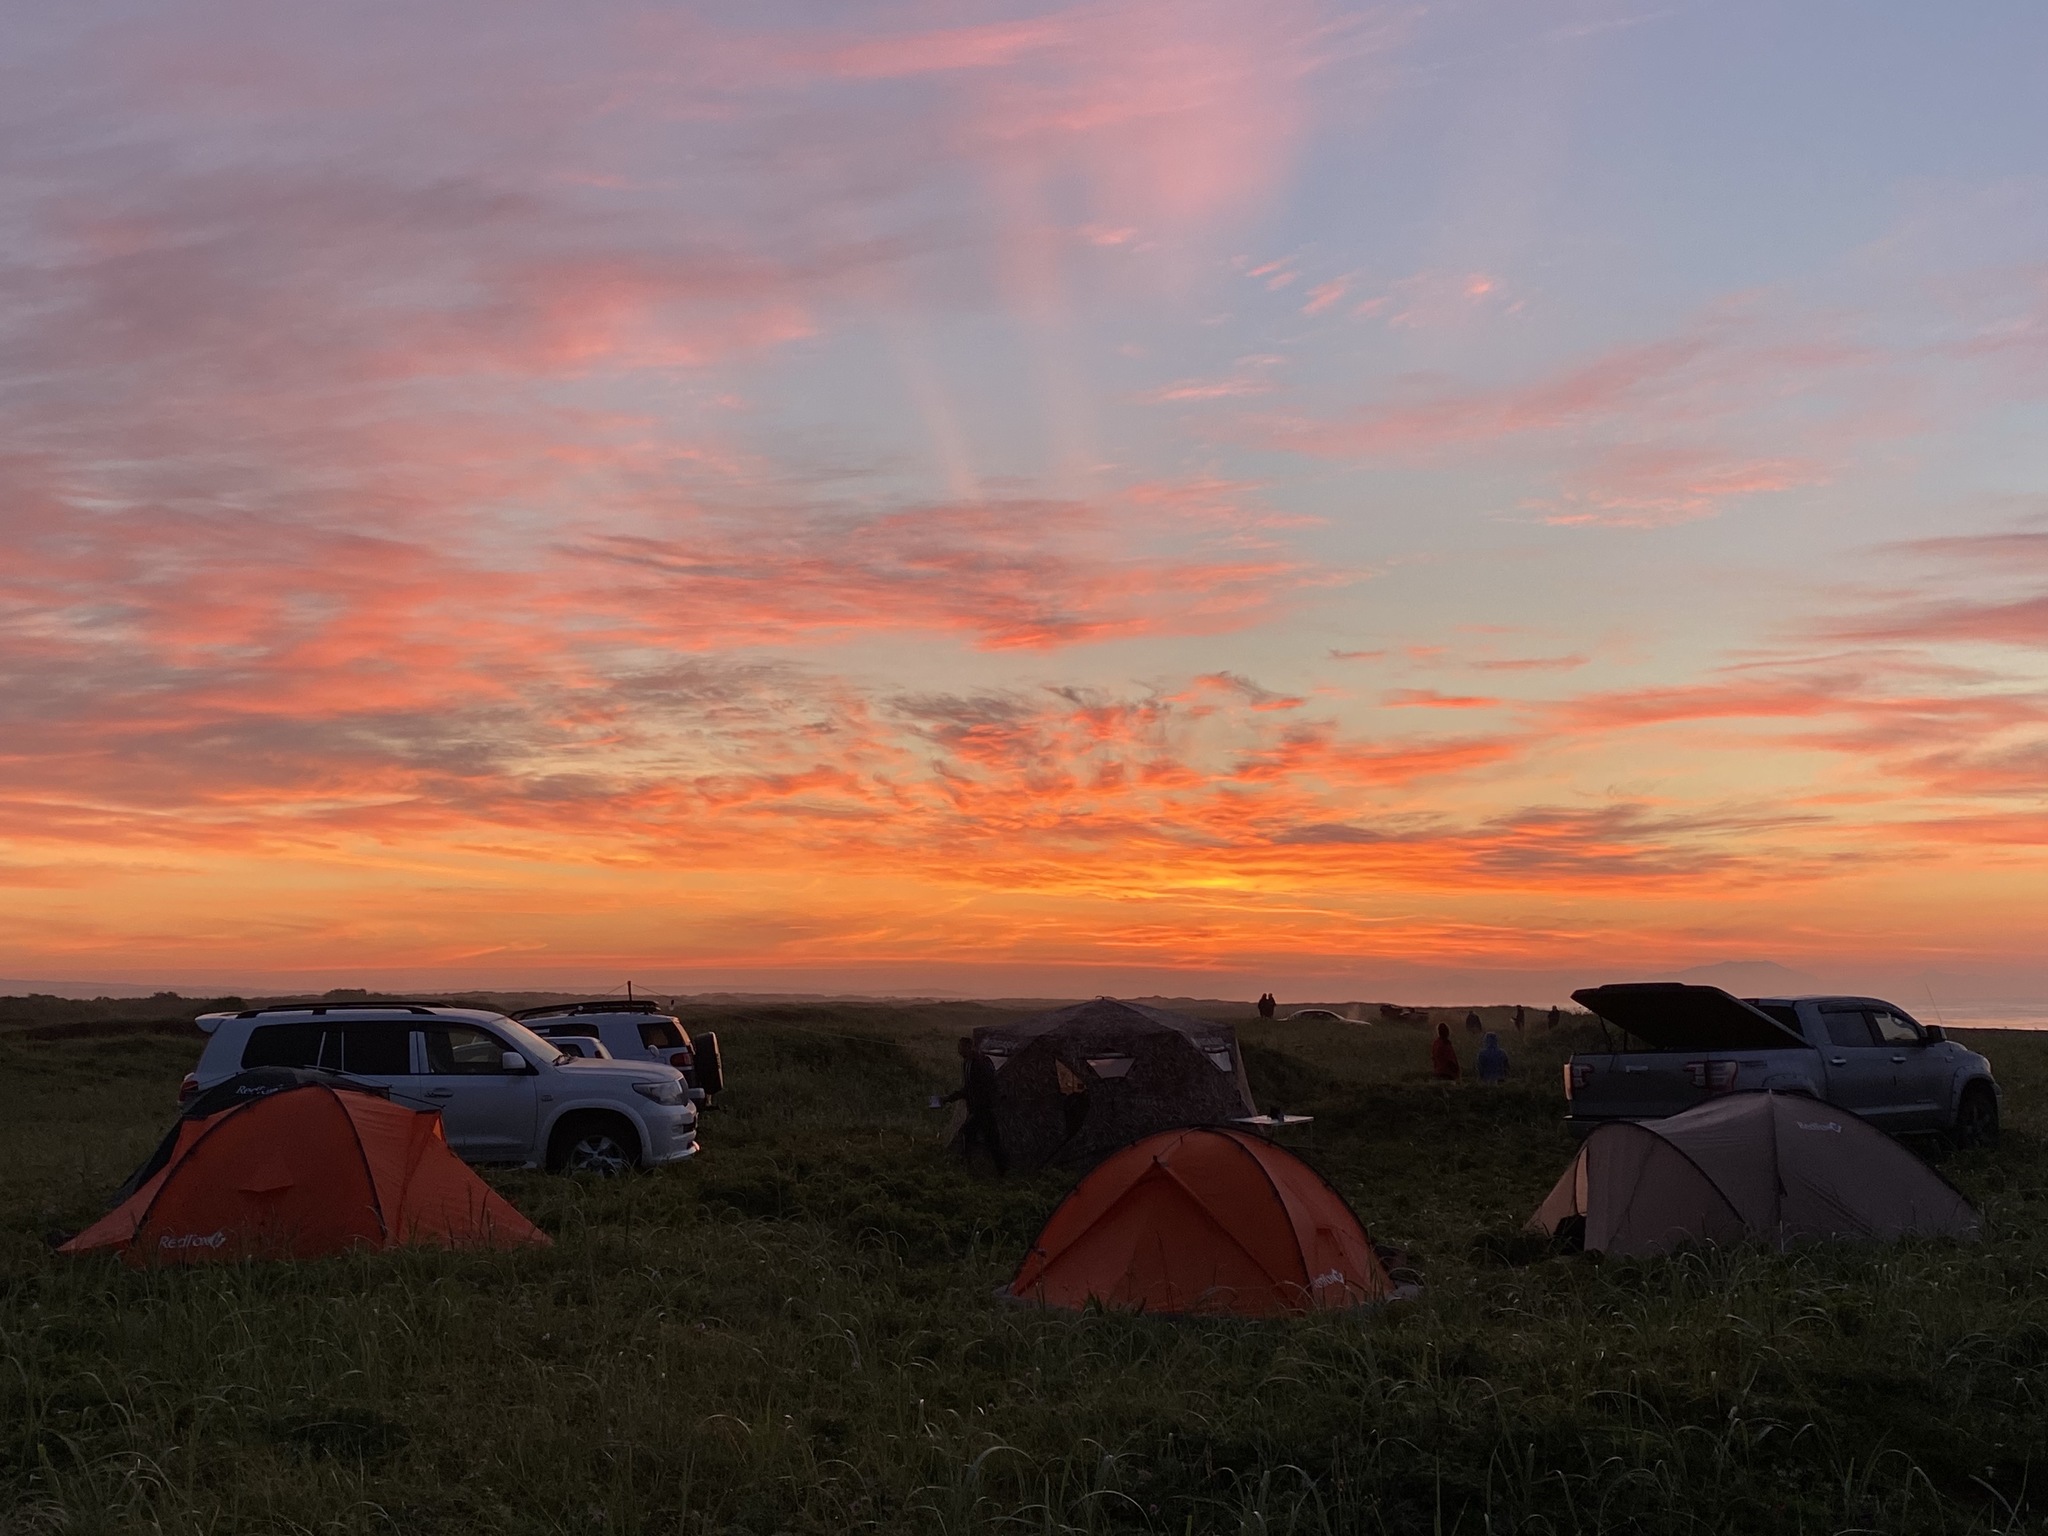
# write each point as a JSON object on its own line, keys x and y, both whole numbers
{"x": 797, "y": 1333}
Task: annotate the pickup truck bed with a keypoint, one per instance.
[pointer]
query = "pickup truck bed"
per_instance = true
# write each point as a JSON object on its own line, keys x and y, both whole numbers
{"x": 1686, "y": 1044}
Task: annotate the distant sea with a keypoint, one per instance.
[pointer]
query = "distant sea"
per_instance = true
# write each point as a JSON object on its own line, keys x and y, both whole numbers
{"x": 1985, "y": 1015}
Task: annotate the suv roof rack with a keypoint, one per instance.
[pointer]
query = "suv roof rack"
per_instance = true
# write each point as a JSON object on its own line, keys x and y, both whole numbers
{"x": 355, "y": 1005}
{"x": 601, "y": 1005}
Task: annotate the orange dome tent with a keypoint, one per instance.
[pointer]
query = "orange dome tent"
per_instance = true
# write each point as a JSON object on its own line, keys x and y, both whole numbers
{"x": 1204, "y": 1220}
{"x": 297, "y": 1167}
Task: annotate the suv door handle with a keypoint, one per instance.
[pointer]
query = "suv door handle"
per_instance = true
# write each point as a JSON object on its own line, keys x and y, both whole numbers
{"x": 1897, "y": 1059}
{"x": 1833, "y": 1061}
{"x": 440, "y": 1093}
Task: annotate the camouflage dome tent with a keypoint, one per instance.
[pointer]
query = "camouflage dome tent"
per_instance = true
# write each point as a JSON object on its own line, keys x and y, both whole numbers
{"x": 1076, "y": 1083}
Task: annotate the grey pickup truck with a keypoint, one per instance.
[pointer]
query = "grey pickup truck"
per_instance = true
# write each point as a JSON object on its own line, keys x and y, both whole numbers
{"x": 1689, "y": 1043}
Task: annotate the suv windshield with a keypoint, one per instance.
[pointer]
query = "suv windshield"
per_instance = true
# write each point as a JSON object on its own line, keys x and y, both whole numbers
{"x": 520, "y": 1038}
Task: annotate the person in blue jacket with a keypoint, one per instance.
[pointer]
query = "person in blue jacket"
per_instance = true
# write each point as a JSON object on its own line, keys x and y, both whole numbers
{"x": 1493, "y": 1061}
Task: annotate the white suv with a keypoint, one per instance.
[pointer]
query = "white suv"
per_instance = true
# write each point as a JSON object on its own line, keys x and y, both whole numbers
{"x": 505, "y": 1094}
{"x": 634, "y": 1031}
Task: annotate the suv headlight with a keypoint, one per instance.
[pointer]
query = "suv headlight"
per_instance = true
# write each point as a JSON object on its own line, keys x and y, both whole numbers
{"x": 663, "y": 1093}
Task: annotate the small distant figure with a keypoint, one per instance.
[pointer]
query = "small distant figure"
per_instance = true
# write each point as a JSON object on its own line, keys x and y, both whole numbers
{"x": 1554, "y": 1016}
{"x": 978, "y": 1089}
{"x": 1472, "y": 1024}
{"x": 1521, "y": 1017}
{"x": 1443, "y": 1056}
{"x": 1267, "y": 1006}
{"x": 1493, "y": 1061}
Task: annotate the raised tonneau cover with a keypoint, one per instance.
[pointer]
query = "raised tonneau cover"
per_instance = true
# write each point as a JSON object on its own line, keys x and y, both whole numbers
{"x": 1673, "y": 1016}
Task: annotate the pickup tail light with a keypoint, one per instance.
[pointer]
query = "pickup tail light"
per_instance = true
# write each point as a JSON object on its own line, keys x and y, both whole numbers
{"x": 1714, "y": 1076}
{"x": 1576, "y": 1075}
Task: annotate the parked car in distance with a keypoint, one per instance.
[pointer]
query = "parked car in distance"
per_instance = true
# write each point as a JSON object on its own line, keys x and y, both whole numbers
{"x": 635, "y": 1031}
{"x": 1316, "y": 1015}
{"x": 1859, "y": 1053}
{"x": 505, "y": 1094}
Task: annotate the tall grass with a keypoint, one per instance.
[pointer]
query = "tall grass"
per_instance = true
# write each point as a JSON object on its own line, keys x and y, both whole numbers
{"x": 797, "y": 1333}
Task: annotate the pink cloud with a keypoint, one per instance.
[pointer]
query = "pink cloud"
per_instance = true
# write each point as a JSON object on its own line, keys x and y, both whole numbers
{"x": 1251, "y": 376}
{"x": 2003, "y": 575}
{"x": 1169, "y": 114}
{"x": 1644, "y": 435}
{"x": 1207, "y": 389}
{"x": 996, "y": 46}
{"x": 1530, "y": 663}
{"x": 1325, "y": 296}
{"x": 1435, "y": 420}
{"x": 1429, "y": 698}
{"x": 1644, "y": 487}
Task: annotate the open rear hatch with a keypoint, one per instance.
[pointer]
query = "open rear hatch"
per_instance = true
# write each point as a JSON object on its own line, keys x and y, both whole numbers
{"x": 1673, "y": 1016}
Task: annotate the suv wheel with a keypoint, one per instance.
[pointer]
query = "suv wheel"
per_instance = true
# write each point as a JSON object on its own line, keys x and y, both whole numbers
{"x": 601, "y": 1144}
{"x": 1977, "y": 1117}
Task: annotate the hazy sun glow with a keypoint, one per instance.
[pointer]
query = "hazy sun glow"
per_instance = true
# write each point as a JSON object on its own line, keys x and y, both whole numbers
{"x": 997, "y": 496}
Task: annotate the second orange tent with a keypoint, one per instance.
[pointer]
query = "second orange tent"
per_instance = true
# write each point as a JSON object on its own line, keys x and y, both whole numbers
{"x": 1204, "y": 1220}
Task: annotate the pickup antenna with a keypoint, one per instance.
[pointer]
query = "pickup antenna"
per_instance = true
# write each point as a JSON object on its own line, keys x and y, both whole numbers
{"x": 1927, "y": 987}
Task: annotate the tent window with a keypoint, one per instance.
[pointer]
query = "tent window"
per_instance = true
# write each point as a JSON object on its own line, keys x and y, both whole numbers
{"x": 1847, "y": 1026}
{"x": 383, "y": 1050}
{"x": 1220, "y": 1059}
{"x": 1110, "y": 1066}
{"x": 460, "y": 1051}
{"x": 282, "y": 1045}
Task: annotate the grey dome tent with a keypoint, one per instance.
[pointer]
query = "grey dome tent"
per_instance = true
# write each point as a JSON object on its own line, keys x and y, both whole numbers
{"x": 1776, "y": 1167}
{"x": 1077, "y": 1083}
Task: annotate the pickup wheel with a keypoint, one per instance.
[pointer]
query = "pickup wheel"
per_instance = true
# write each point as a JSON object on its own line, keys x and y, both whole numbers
{"x": 1977, "y": 1117}
{"x": 593, "y": 1143}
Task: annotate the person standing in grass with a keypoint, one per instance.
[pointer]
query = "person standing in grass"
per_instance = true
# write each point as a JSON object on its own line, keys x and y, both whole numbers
{"x": 1493, "y": 1061}
{"x": 1443, "y": 1056}
{"x": 978, "y": 1089}
{"x": 1553, "y": 1015}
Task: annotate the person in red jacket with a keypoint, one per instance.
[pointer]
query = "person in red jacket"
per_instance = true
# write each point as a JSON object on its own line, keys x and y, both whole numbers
{"x": 1443, "y": 1056}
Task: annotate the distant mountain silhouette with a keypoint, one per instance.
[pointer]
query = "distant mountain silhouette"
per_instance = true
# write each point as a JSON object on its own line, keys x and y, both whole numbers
{"x": 1752, "y": 978}
{"x": 11, "y": 986}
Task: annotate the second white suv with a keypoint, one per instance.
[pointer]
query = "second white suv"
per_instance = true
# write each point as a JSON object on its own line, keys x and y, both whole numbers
{"x": 505, "y": 1094}
{"x": 635, "y": 1030}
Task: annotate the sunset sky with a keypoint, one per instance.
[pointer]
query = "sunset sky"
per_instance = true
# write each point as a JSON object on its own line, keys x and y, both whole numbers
{"x": 1196, "y": 495}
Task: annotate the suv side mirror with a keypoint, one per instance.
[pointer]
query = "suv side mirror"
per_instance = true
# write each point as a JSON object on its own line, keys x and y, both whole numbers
{"x": 1933, "y": 1034}
{"x": 512, "y": 1061}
